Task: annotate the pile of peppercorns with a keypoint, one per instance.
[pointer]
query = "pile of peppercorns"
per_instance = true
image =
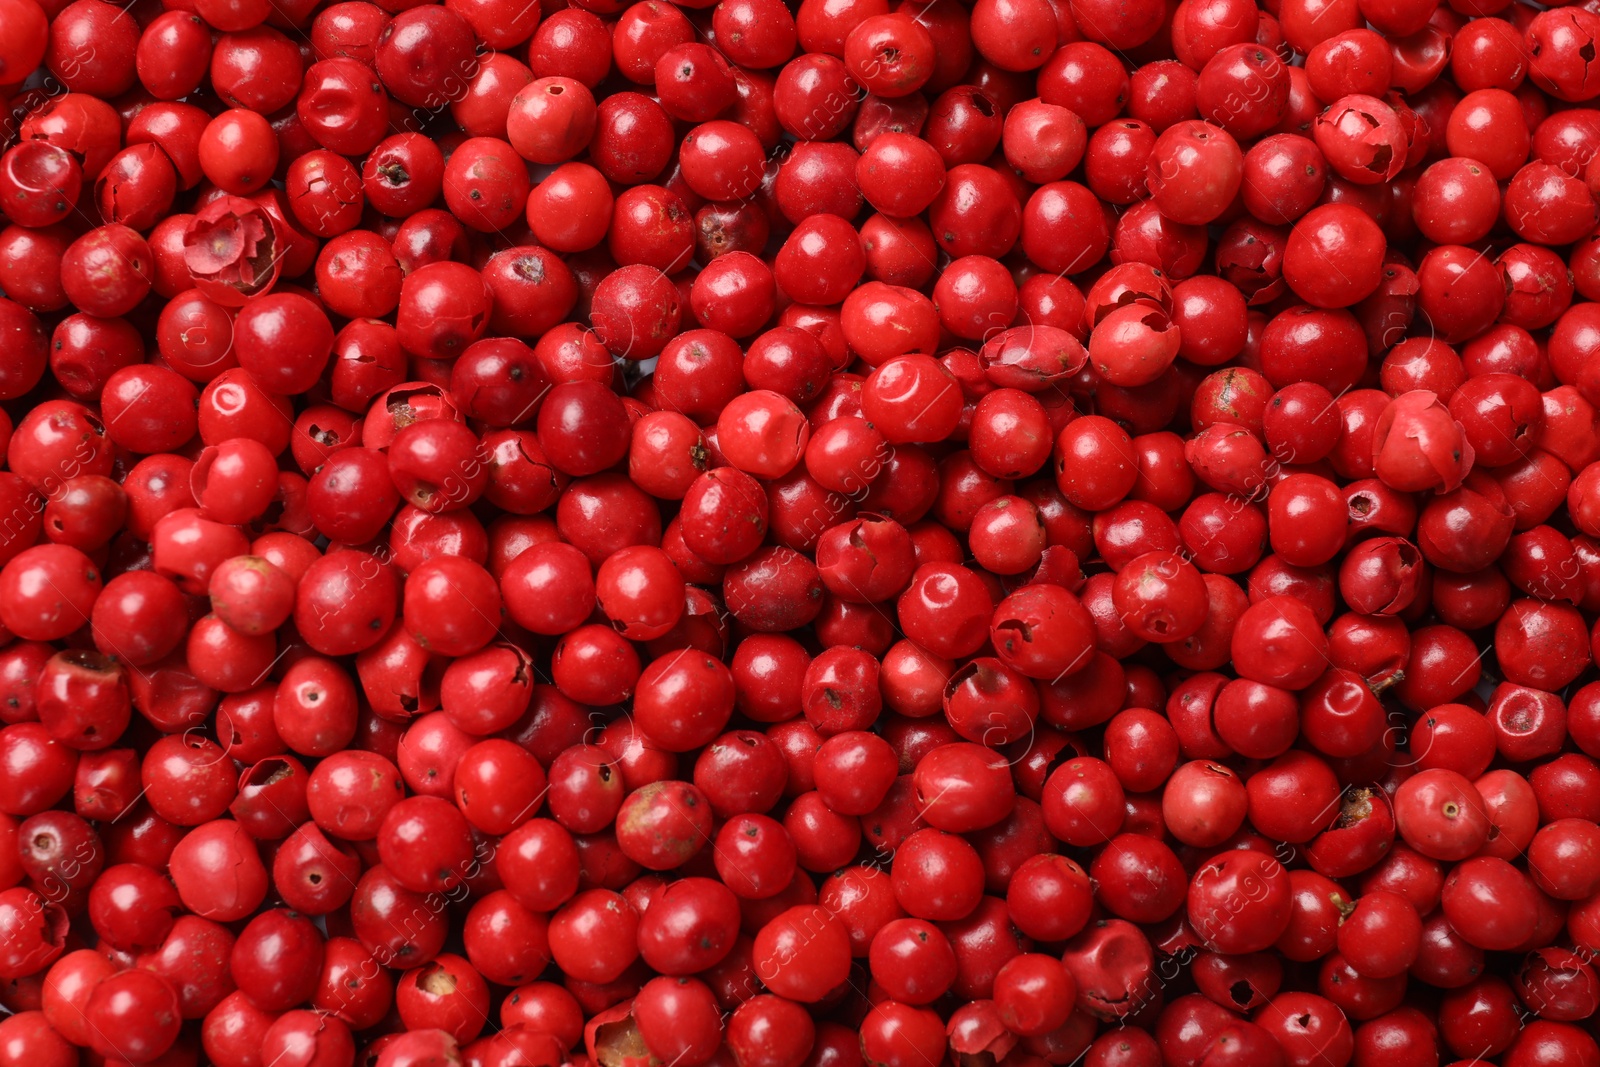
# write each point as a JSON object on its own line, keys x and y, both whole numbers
{"x": 796, "y": 533}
